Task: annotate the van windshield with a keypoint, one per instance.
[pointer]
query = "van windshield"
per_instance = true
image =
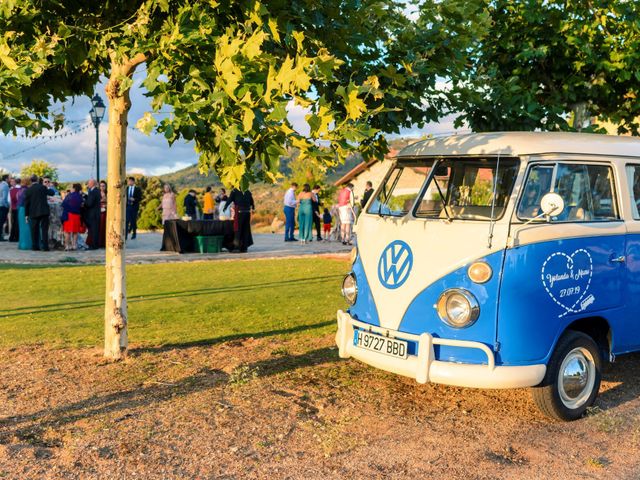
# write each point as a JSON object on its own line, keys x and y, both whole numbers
{"x": 399, "y": 191}
{"x": 462, "y": 189}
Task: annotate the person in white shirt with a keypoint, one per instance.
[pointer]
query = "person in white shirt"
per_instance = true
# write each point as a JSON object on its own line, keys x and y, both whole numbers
{"x": 290, "y": 213}
{"x": 4, "y": 203}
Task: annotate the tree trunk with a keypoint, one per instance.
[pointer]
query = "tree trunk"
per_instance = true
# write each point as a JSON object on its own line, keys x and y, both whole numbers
{"x": 115, "y": 308}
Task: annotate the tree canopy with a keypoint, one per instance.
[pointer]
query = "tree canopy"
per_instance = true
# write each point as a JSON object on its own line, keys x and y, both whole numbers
{"x": 41, "y": 168}
{"x": 224, "y": 74}
{"x": 542, "y": 61}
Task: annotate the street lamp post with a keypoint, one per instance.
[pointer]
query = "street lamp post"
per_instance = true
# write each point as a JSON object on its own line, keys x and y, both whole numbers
{"x": 97, "y": 113}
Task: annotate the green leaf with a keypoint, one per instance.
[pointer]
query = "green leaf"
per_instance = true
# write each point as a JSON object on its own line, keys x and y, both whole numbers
{"x": 124, "y": 84}
{"x": 232, "y": 175}
{"x": 147, "y": 123}
{"x": 273, "y": 27}
{"x": 252, "y": 47}
{"x": 279, "y": 112}
{"x": 247, "y": 120}
{"x": 6, "y": 58}
{"x": 355, "y": 106}
{"x": 230, "y": 77}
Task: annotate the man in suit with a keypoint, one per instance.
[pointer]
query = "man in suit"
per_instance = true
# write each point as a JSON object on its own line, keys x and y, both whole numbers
{"x": 190, "y": 204}
{"x": 92, "y": 215}
{"x": 368, "y": 191}
{"x": 134, "y": 196}
{"x": 36, "y": 209}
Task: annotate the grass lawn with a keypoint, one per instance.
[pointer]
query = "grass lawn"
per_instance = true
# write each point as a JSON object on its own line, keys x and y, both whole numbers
{"x": 172, "y": 304}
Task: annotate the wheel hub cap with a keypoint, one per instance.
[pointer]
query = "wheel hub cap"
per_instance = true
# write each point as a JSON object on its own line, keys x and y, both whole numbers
{"x": 576, "y": 378}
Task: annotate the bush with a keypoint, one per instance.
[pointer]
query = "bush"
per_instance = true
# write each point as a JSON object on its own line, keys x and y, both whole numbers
{"x": 150, "y": 217}
{"x": 180, "y": 201}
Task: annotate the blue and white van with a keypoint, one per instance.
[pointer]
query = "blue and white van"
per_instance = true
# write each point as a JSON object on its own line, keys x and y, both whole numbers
{"x": 501, "y": 260}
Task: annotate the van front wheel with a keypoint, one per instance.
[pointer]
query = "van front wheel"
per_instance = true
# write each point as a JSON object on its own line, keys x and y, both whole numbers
{"x": 572, "y": 380}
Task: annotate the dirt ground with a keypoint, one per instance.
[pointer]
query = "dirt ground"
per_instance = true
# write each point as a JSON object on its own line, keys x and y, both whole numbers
{"x": 280, "y": 409}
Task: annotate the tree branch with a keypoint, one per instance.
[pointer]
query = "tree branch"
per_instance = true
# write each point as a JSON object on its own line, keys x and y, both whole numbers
{"x": 127, "y": 65}
{"x": 131, "y": 65}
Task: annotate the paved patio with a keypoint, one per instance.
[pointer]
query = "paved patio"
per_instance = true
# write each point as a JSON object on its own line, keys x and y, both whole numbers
{"x": 146, "y": 249}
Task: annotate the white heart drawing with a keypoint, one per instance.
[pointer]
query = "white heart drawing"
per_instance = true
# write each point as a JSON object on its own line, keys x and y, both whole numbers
{"x": 560, "y": 275}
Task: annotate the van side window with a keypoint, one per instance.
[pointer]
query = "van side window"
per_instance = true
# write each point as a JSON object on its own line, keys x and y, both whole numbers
{"x": 587, "y": 191}
{"x": 633, "y": 181}
{"x": 538, "y": 183}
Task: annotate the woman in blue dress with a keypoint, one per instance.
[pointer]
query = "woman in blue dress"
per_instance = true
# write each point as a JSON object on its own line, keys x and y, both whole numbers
{"x": 305, "y": 214}
{"x": 24, "y": 235}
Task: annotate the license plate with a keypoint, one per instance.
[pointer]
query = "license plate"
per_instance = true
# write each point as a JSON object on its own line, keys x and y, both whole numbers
{"x": 380, "y": 344}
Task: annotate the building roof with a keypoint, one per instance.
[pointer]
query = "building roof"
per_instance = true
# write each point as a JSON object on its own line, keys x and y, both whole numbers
{"x": 524, "y": 143}
{"x": 362, "y": 167}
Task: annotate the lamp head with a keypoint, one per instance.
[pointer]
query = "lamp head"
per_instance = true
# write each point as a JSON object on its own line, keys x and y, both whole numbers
{"x": 97, "y": 112}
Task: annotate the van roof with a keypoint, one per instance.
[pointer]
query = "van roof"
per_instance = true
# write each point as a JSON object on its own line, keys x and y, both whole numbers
{"x": 524, "y": 143}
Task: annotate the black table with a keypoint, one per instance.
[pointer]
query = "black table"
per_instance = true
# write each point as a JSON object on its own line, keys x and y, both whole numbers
{"x": 179, "y": 235}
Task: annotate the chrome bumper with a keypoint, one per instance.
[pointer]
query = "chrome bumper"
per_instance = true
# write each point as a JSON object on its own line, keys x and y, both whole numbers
{"x": 424, "y": 368}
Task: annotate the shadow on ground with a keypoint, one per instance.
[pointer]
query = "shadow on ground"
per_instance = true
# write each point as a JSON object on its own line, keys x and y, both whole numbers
{"x": 229, "y": 338}
{"x": 64, "y": 306}
{"x": 625, "y": 371}
{"x": 31, "y": 428}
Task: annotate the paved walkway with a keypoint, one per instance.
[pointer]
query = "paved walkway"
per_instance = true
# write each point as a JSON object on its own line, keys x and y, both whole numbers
{"x": 146, "y": 249}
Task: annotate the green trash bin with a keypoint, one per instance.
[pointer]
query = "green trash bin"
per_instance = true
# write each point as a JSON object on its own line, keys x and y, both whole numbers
{"x": 209, "y": 244}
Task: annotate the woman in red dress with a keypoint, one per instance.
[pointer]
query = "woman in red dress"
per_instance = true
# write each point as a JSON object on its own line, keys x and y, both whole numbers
{"x": 71, "y": 222}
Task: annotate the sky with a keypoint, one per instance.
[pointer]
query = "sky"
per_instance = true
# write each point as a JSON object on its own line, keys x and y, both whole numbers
{"x": 74, "y": 154}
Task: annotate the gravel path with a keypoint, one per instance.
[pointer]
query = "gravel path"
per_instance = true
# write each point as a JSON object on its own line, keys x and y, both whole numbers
{"x": 146, "y": 249}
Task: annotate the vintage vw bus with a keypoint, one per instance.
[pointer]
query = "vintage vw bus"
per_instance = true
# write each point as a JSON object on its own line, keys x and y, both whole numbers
{"x": 501, "y": 260}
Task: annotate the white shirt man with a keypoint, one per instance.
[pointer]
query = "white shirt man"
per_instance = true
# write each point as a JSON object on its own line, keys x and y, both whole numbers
{"x": 290, "y": 213}
{"x": 290, "y": 198}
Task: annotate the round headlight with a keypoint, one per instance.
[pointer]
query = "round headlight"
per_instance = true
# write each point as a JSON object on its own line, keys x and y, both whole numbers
{"x": 479, "y": 272}
{"x": 350, "y": 289}
{"x": 458, "y": 308}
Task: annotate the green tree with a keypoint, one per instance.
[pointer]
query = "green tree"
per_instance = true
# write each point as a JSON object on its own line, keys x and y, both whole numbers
{"x": 228, "y": 72}
{"x": 304, "y": 170}
{"x": 150, "y": 217}
{"x": 41, "y": 168}
{"x": 544, "y": 65}
{"x": 180, "y": 201}
{"x": 153, "y": 190}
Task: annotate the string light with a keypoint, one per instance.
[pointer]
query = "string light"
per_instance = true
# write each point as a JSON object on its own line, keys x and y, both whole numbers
{"x": 49, "y": 138}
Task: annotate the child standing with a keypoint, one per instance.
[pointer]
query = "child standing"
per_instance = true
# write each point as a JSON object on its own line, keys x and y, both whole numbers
{"x": 326, "y": 224}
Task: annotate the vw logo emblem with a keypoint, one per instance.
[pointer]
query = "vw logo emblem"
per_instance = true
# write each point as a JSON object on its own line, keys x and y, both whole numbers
{"x": 395, "y": 264}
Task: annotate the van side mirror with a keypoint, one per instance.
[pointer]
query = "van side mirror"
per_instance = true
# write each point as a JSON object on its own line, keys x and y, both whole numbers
{"x": 551, "y": 204}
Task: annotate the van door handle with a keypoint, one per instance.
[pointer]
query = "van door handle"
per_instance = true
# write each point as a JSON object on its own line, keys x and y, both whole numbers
{"x": 620, "y": 259}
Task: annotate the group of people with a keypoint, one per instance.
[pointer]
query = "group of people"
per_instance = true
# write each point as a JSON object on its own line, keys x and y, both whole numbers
{"x": 26, "y": 206}
{"x": 214, "y": 207}
{"x": 30, "y": 203}
{"x": 309, "y": 203}
{"x": 85, "y": 212}
{"x": 237, "y": 207}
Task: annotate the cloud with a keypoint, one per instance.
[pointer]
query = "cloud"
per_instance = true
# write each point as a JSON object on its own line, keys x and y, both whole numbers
{"x": 296, "y": 114}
